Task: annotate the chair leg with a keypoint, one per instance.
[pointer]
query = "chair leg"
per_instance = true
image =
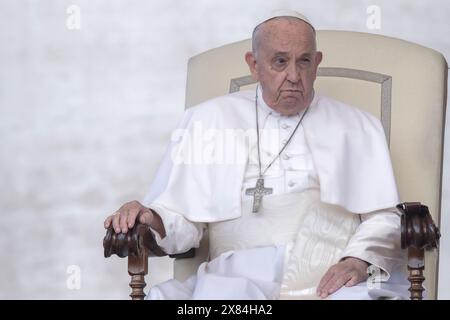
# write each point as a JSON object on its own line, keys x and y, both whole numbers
{"x": 138, "y": 269}
{"x": 416, "y": 265}
{"x": 416, "y": 279}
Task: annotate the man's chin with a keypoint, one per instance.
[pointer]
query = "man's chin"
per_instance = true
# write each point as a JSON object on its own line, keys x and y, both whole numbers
{"x": 289, "y": 108}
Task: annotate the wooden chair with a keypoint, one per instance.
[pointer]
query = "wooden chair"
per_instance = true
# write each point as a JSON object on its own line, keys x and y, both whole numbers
{"x": 401, "y": 83}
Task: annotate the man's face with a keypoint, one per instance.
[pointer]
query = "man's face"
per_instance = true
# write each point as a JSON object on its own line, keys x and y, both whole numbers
{"x": 285, "y": 63}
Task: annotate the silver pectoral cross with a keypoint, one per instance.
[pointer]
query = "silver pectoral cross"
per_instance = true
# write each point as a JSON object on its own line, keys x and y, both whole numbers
{"x": 258, "y": 192}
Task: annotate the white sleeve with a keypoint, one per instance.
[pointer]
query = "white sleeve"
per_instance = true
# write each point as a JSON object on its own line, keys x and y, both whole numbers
{"x": 377, "y": 240}
{"x": 181, "y": 234}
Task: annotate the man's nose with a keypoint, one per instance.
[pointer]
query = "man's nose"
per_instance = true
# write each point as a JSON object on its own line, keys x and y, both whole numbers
{"x": 293, "y": 73}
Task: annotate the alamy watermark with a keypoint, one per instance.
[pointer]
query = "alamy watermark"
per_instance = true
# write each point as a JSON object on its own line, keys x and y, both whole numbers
{"x": 73, "y": 281}
{"x": 229, "y": 146}
{"x": 73, "y": 21}
{"x": 373, "y": 21}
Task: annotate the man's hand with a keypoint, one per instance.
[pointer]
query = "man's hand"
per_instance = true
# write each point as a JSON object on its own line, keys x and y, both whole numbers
{"x": 125, "y": 218}
{"x": 348, "y": 272}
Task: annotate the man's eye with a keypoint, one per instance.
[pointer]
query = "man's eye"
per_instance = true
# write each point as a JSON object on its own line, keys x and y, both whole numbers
{"x": 279, "y": 64}
{"x": 280, "y": 61}
{"x": 305, "y": 61}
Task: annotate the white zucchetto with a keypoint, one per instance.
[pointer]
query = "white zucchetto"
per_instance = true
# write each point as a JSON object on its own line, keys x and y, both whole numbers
{"x": 284, "y": 13}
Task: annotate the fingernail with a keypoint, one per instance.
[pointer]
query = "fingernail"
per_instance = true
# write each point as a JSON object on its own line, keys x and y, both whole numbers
{"x": 124, "y": 230}
{"x": 117, "y": 230}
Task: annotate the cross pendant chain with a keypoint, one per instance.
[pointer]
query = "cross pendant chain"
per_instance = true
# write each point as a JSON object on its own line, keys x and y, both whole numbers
{"x": 258, "y": 192}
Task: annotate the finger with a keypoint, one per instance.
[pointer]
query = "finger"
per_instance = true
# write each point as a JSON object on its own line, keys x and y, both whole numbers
{"x": 115, "y": 222}
{"x": 353, "y": 281}
{"x": 123, "y": 221}
{"x": 328, "y": 286}
{"x": 107, "y": 222}
{"x": 350, "y": 283}
{"x": 324, "y": 281}
{"x": 146, "y": 217}
{"x": 132, "y": 214}
{"x": 339, "y": 282}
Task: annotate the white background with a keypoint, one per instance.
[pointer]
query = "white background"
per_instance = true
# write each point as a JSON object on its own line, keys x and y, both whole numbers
{"x": 85, "y": 115}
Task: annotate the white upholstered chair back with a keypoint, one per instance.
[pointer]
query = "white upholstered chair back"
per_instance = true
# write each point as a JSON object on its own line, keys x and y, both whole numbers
{"x": 401, "y": 83}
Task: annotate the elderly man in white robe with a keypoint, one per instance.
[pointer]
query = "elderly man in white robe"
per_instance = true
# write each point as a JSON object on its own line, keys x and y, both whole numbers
{"x": 302, "y": 207}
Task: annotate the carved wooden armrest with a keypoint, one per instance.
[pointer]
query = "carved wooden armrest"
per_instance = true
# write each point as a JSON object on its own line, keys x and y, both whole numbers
{"x": 137, "y": 244}
{"x": 418, "y": 232}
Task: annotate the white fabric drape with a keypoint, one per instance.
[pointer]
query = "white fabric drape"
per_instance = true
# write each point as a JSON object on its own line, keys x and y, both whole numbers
{"x": 338, "y": 155}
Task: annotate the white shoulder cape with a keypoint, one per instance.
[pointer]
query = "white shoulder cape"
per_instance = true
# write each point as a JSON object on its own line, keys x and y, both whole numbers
{"x": 348, "y": 147}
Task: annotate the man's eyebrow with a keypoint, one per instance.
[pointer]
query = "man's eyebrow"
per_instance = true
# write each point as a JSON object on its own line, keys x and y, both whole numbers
{"x": 280, "y": 53}
{"x": 283, "y": 53}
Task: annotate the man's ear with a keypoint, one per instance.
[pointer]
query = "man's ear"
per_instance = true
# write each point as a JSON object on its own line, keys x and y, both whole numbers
{"x": 317, "y": 61}
{"x": 251, "y": 62}
{"x": 318, "y": 58}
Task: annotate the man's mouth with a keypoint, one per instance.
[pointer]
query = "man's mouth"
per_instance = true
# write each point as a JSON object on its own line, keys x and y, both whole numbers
{"x": 291, "y": 93}
{"x": 288, "y": 94}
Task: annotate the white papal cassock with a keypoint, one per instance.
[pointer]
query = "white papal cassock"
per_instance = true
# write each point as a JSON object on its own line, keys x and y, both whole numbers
{"x": 334, "y": 196}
